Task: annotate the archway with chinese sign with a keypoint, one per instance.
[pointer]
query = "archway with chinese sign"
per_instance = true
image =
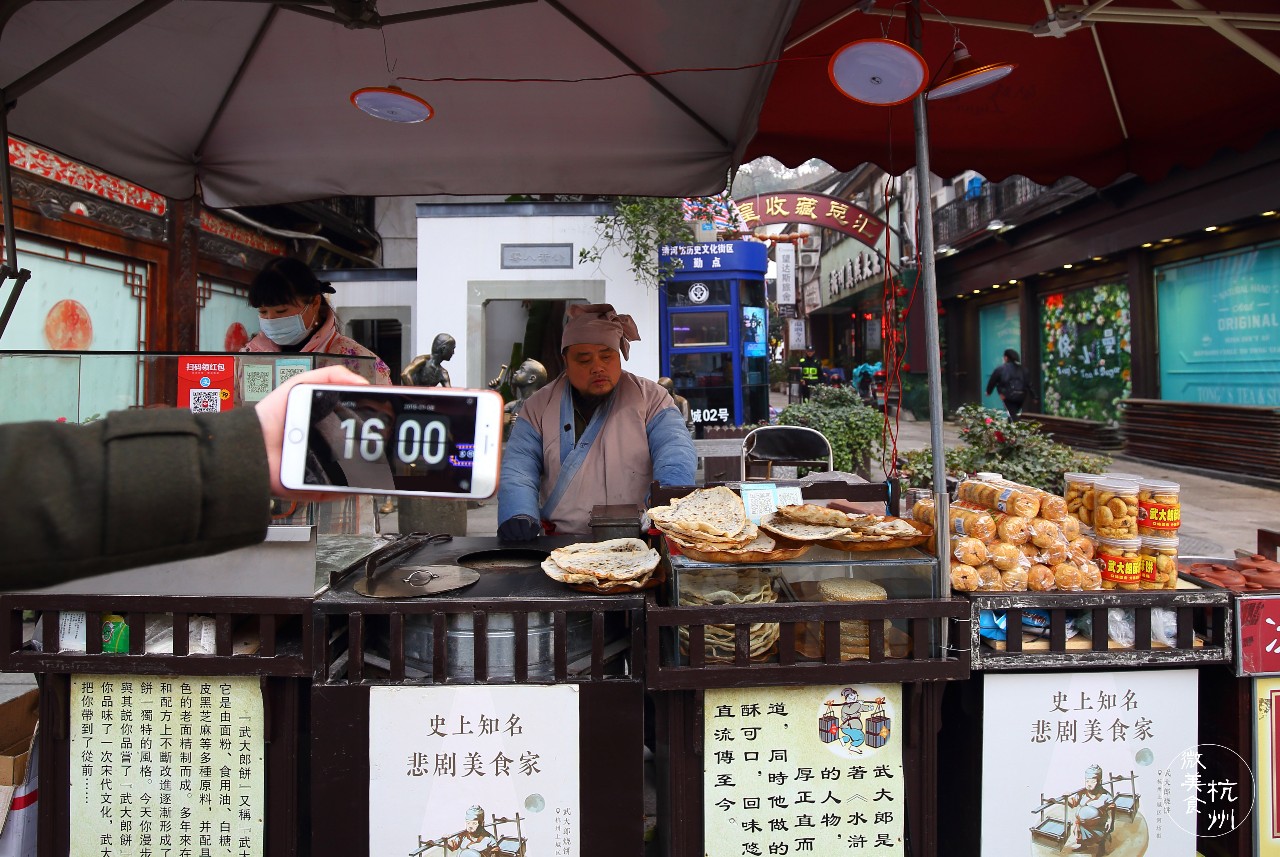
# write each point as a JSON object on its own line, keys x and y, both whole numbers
{"x": 813, "y": 208}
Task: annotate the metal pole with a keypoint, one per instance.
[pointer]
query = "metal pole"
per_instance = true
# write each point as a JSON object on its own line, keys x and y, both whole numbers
{"x": 10, "y": 227}
{"x": 929, "y": 273}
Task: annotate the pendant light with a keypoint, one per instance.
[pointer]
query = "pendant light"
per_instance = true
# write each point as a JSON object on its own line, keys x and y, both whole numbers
{"x": 392, "y": 104}
{"x": 966, "y": 75}
{"x": 878, "y": 72}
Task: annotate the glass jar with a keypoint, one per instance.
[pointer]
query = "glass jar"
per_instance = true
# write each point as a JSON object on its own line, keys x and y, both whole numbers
{"x": 1159, "y": 562}
{"x": 1115, "y": 508}
{"x": 1159, "y": 508}
{"x": 1079, "y": 496}
{"x": 1120, "y": 562}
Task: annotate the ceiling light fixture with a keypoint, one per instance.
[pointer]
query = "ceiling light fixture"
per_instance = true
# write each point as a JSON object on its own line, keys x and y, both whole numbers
{"x": 1211, "y": 229}
{"x": 1148, "y": 244}
{"x": 995, "y": 285}
{"x": 977, "y": 291}
{"x": 995, "y": 225}
{"x": 1165, "y": 240}
{"x": 1068, "y": 266}
{"x": 966, "y": 75}
{"x": 392, "y": 104}
{"x": 1271, "y": 213}
{"x": 1097, "y": 258}
{"x": 1013, "y": 282}
{"x": 878, "y": 72}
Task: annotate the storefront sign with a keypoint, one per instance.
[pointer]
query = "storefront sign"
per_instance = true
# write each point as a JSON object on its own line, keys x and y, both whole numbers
{"x": 785, "y": 260}
{"x": 1259, "y": 634}
{"x": 812, "y": 208}
{"x": 490, "y": 768}
{"x": 166, "y": 765}
{"x": 812, "y": 296}
{"x": 205, "y": 383}
{"x": 537, "y": 255}
{"x": 789, "y": 770}
{"x": 787, "y": 310}
{"x": 797, "y": 333}
{"x": 854, "y": 272}
{"x": 1072, "y": 759}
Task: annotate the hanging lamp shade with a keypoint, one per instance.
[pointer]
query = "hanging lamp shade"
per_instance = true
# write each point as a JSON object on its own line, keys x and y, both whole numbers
{"x": 967, "y": 75}
{"x": 879, "y": 72}
{"x": 392, "y": 104}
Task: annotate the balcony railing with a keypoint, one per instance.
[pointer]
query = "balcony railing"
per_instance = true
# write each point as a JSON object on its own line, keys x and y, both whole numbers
{"x": 1015, "y": 200}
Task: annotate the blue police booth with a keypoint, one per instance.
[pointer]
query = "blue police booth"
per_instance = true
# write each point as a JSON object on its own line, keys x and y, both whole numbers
{"x": 715, "y": 330}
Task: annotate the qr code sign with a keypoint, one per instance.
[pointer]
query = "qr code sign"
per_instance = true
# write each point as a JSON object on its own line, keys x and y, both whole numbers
{"x": 206, "y": 401}
{"x": 256, "y": 384}
{"x": 284, "y": 373}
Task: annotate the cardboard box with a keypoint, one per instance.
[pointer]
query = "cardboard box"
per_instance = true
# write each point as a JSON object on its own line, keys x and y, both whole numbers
{"x": 18, "y": 718}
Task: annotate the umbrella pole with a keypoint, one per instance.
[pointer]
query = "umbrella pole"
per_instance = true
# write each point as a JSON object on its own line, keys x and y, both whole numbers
{"x": 10, "y": 266}
{"x": 928, "y": 272}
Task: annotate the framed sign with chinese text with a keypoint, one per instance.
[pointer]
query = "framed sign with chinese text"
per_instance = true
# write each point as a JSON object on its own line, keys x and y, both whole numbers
{"x": 1091, "y": 762}
{"x": 166, "y": 765}
{"x": 796, "y": 769}
{"x": 493, "y": 769}
{"x": 1258, "y": 633}
{"x": 1266, "y": 765}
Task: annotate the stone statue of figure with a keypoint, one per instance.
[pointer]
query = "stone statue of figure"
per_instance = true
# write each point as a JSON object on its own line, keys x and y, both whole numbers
{"x": 530, "y": 377}
{"x": 682, "y": 404}
{"x": 426, "y": 371}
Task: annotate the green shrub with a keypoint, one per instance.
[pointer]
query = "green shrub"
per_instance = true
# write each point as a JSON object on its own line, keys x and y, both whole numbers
{"x": 852, "y": 428}
{"x": 777, "y": 373}
{"x": 1017, "y": 450}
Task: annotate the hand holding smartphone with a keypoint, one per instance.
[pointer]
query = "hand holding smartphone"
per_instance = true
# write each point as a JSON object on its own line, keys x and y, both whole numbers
{"x": 408, "y": 441}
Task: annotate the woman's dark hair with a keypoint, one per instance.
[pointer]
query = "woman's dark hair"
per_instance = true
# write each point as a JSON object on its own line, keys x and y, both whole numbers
{"x": 1009, "y": 354}
{"x": 283, "y": 281}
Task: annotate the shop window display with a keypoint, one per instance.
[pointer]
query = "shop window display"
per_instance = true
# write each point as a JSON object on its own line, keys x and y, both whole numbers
{"x": 1085, "y": 351}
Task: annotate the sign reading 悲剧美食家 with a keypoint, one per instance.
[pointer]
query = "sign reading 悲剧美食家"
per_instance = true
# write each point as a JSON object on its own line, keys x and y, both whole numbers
{"x": 493, "y": 769}
{"x": 166, "y": 765}
{"x": 1071, "y": 761}
{"x": 816, "y": 769}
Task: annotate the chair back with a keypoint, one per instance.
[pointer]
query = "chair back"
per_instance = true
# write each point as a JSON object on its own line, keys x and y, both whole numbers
{"x": 787, "y": 446}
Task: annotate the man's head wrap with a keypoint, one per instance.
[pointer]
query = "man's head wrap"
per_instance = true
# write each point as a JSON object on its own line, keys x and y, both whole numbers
{"x": 475, "y": 813}
{"x": 1093, "y": 771}
{"x": 598, "y": 324}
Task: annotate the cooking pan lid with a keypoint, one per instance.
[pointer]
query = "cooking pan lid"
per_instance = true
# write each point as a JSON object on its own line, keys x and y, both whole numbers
{"x": 413, "y": 581}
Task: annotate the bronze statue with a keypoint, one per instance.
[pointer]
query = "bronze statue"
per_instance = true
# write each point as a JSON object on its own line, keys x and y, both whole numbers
{"x": 426, "y": 371}
{"x": 682, "y": 404}
{"x": 530, "y": 377}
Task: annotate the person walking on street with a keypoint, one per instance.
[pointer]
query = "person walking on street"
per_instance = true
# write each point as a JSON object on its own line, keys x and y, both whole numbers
{"x": 1010, "y": 380}
{"x": 810, "y": 371}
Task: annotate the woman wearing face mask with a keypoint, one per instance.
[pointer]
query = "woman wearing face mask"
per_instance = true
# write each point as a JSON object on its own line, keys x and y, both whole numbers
{"x": 295, "y": 316}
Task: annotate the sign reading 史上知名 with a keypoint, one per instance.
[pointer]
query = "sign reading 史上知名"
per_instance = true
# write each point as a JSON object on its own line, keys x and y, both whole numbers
{"x": 484, "y": 769}
{"x": 1071, "y": 760}
{"x": 166, "y": 765}
{"x": 804, "y": 769}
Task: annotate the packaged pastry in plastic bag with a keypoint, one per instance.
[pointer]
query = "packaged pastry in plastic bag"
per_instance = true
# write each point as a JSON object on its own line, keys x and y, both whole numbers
{"x": 964, "y": 522}
{"x": 1000, "y": 496}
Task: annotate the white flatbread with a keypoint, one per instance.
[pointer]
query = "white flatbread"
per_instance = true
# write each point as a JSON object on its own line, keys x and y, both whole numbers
{"x": 613, "y": 559}
{"x": 778, "y": 525}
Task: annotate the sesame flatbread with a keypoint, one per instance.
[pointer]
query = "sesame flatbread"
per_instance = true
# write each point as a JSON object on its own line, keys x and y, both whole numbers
{"x": 717, "y": 512}
{"x": 777, "y": 525}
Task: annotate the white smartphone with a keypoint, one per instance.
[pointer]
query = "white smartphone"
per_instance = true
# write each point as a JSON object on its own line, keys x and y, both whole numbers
{"x": 413, "y": 441}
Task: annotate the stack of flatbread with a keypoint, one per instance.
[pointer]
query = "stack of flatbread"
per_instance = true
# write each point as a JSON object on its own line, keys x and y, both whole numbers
{"x": 711, "y": 525}
{"x": 809, "y": 522}
{"x": 605, "y": 566}
{"x": 855, "y": 636}
{"x": 716, "y": 586}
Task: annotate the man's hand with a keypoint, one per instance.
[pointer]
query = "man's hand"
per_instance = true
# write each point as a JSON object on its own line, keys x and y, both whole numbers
{"x": 271, "y": 416}
{"x": 520, "y": 528}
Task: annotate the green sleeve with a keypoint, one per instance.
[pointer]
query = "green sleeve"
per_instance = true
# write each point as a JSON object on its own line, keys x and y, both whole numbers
{"x": 136, "y": 488}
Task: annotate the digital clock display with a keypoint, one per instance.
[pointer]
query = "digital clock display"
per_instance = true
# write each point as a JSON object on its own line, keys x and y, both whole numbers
{"x": 386, "y": 441}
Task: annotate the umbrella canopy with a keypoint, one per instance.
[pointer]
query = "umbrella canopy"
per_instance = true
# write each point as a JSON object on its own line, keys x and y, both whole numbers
{"x": 251, "y": 98}
{"x": 1132, "y": 86}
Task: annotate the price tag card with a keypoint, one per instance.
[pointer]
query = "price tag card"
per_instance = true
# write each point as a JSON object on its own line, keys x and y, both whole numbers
{"x": 760, "y": 498}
